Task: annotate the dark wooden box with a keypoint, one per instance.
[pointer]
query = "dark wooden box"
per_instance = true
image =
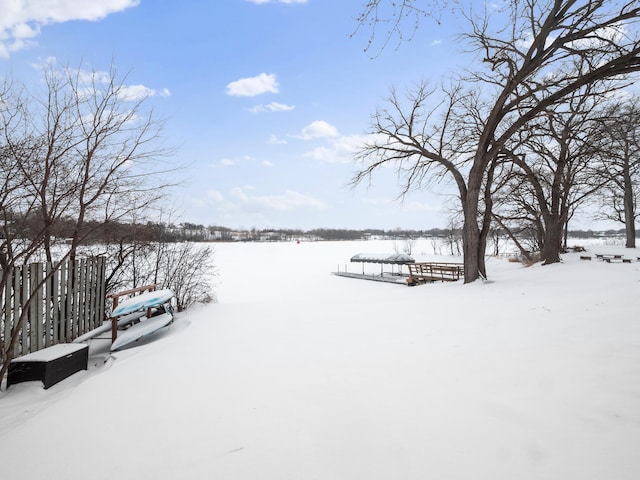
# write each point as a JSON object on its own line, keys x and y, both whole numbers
{"x": 50, "y": 365}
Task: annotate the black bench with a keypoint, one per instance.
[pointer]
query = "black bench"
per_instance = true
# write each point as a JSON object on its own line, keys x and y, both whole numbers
{"x": 50, "y": 365}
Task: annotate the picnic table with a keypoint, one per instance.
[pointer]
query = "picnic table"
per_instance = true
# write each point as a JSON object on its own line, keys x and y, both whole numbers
{"x": 612, "y": 258}
{"x": 428, "y": 272}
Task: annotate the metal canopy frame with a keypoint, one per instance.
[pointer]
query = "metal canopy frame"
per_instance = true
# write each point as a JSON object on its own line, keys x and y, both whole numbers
{"x": 382, "y": 259}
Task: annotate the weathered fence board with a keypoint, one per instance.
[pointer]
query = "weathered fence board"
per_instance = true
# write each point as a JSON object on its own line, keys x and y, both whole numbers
{"x": 24, "y": 296}
{"x": 59, "y": 305}
{"x": 6, "y": 307}
{"x": 36, "y": 317}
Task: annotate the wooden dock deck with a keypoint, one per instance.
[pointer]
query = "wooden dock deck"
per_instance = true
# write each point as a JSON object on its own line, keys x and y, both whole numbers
{"x": 397, "y": 279}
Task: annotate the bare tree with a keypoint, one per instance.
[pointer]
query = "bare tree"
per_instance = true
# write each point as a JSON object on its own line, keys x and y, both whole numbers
{"x": 386, "y": 19}
{"x": 530, "y": 57}
{"x": 187, "y": 268}
{"x": 620, "y": 169}
{"x": 557, "y": 158}
{"x": 84, "y": 149}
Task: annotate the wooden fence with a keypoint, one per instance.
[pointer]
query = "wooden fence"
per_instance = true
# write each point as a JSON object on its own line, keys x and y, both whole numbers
{"x": 69, "y": 303}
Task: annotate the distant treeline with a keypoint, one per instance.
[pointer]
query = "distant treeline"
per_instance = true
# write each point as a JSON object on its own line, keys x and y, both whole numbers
{"x": 194, "y": 232}
{"x": 113, "y": 231}
{"x": 228, "y": 234}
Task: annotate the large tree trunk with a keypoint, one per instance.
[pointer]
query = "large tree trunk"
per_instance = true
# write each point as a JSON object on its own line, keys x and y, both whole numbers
{"x": 482, "y": 250}
{"x": 629, "y": 212}
{"x": 470, "y": 248}
{"x": 631, "y": 232}
{"x": 472, "y": 245}
{"x": 554, "y": 218}
{"x": 552, "y": 239}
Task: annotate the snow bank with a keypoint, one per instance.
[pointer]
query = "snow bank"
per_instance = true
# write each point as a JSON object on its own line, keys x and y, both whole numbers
{"x": 300, "y": 374}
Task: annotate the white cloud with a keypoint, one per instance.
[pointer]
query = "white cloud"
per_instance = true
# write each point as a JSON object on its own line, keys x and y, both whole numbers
{"x": 436, "y": 42}
{"x": 215, "y": 195}
{"x": 238, "y": 194}
{"x": 21, "y": 21}
{"x": 318, "y": 129}
{"x": 289, "y": 200}
{"x": 85, "y": 76}
{"x": 274, "y": 140}
{"x": 415, "y": 206}
{"x": 527, "y": 41}
{"x": 25, "y": 31}
{"x": 378, "y": 202}
{"x": 89, "y": 80}
{"x": 243, "y": 159}
{"x": 135, "y": 92}
{"x": 243, "y": 199}
{"x": 272, "y": 107}
{"x": 130, "y": 93}
{"x": 323, "y": 154}
{"x": 261, "y": 2}
{"x": 252, "y": 86}
{"x": 602, "y": 37}
{"x": 339, "y": 150}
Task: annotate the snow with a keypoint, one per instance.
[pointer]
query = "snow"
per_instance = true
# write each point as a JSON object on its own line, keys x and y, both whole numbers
{"x": 52, "y": 353}
{"x": 141, "y": 329}
{"x": 299, "y": 374}
{"x": 383, "y": 258}
{"x": 149, "y": 299}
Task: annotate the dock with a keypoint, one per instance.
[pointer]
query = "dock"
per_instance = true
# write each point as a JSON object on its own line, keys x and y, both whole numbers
{"x": 397, "y": 279}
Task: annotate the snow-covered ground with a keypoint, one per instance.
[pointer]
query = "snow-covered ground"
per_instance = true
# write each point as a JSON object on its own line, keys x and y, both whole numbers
{"x": 299, "y": 374}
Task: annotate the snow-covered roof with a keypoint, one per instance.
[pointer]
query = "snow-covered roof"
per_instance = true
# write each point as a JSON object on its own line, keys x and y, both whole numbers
{"x": 397, "y": 258}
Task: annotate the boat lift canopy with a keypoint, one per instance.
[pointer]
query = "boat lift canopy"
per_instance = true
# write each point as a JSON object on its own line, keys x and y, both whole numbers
{"x": 389, "y": 258}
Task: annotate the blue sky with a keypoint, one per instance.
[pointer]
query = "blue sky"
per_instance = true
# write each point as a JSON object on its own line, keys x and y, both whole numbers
{"x": 265, "y": 101}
